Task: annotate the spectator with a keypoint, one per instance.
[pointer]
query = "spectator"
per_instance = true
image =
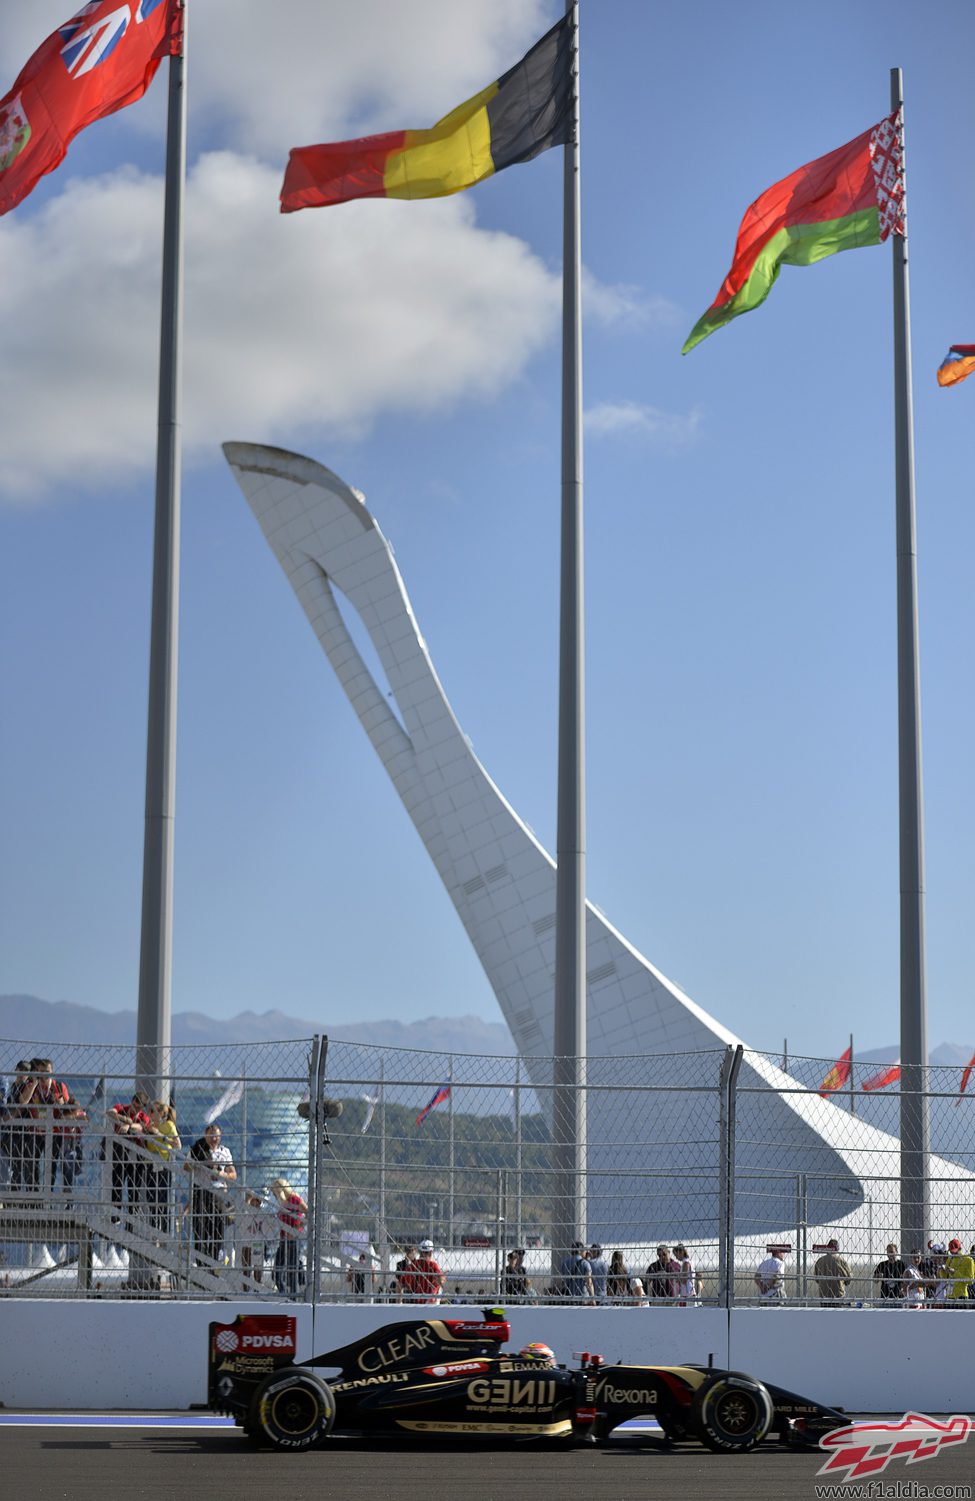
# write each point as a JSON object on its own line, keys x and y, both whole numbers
{"x": 929, "y": 1267}
{"x": 292, "y": 1212}
{"x": 4, "y": 1138}
{"x": 212, "y": 1169}
{"x": 428, "y": 1279}
{"x": 515, "y": 1286}
{"x": 913, "y": 1283}
{"x": 890, "y": 1275}
{"x": 68, "y": 1144}
{"x": 833, "y": 1274}
{"x": 938, "y": 1293}
{"x": 161, "y": 1140}
{"x": 129, "y": 1124}
{"x": 50, "y": 1105}
{"x": 638, "y": 1296}
{"x": 255, "y": 1223}
{"x": 361, "y": 1276}
{"x": 406, "y": 1276}
{"x": 599, "y": 1268}
{"x": 24, "y": 1144}
{"x": 618, "y": 1279}
{"x": 770, "y": 1277}
{"x": 690, "y": 1286}
{"x": 960, "y": 1270}
{"x": 662, "y": 1275}
{"x": 576, "y": 1275}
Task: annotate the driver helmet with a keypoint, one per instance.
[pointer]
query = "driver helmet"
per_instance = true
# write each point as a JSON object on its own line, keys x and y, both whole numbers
{"x": 537, "y": 1352}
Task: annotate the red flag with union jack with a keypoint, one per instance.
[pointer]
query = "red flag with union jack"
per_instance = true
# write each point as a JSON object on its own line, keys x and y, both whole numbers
{"x": 443, "y": 1093}
{"x": 838, "y": 1074}
{"x": 104, "y": 58}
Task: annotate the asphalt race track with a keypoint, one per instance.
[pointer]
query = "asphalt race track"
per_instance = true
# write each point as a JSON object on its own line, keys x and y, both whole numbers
{"x": 101, "y": 1458}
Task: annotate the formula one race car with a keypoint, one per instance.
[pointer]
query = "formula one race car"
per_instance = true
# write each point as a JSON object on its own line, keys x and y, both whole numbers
{"x": 451, "y": 1377}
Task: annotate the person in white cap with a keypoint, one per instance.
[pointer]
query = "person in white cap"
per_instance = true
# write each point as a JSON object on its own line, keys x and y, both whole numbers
{"x": 428, "y": 1279}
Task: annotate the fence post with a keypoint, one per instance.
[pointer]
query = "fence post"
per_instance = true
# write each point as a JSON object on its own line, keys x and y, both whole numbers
{"x": 312, "y": 1259}
{"x": 803, "y": 1233}
{"x": 499, "y": 1224}
{"x": 730, "y": 1066}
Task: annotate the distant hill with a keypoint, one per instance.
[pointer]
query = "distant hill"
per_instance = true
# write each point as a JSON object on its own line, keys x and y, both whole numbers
{"x": 27, "y": 1018}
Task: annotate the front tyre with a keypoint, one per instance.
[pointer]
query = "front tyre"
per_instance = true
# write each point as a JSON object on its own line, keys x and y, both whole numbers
{"x": 291, "y": 1409}
{"x": 732, "y": 1414}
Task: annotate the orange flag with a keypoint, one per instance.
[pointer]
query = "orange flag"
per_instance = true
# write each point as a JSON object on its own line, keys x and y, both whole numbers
{"x": 838, "y": 1074}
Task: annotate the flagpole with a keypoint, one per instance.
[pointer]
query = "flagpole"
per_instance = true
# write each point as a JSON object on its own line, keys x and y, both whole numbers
{"x": 853, "y": 1103}
{"x": 154, "y": 1025}
{"x": 914, "y": 1119}
{"x": 568, "y": 1101}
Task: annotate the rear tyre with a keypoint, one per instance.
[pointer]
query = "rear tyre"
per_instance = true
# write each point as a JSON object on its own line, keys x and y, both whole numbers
{"x": 732, "y": 1414}
{"x": 291, "y": 1409}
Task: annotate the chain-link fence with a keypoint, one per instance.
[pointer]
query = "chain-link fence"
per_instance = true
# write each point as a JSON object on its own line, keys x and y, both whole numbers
{"x": 319, "y": 1171}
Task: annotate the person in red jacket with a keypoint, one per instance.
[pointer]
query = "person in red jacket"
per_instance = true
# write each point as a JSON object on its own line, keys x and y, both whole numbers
{"x": 428, "y": 1279}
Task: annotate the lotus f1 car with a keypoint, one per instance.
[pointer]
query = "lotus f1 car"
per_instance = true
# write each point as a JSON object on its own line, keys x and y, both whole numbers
{"x": 452, "y": 1378}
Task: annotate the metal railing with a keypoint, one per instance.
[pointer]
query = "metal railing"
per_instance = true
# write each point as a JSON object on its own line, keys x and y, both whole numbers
{"x": 719, "y": 1152}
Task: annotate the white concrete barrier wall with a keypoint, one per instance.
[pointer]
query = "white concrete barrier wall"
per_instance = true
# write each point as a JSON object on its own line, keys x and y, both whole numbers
{"x": 91, "y": 1356}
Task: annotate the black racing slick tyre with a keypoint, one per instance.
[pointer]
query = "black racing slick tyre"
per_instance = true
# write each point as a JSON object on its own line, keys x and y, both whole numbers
{"x": 731, "y": 1414}
{"x": 291, "y": 1409}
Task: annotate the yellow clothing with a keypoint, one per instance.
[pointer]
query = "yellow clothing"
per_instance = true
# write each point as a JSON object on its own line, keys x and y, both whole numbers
{"x": 961, "y": 1269}
{"x": 164, "y": 1150}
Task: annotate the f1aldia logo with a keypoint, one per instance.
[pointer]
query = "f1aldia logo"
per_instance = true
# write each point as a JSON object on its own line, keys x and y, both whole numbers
{"x": 87, "y": 46}
{"x": 868, "y": 1448}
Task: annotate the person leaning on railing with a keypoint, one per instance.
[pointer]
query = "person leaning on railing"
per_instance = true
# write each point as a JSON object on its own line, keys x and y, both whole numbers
{"x": 24, "y": 1145}
{"x": 129, "y": 1122}
{"x": 212, "y": 1169}
{"x": 160, "y": 1140}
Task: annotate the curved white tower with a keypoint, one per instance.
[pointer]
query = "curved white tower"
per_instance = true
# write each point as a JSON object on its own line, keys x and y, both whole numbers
{"x": 502, "y": 883}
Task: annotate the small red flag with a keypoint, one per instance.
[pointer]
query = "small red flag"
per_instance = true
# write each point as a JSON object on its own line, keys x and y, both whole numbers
{"x": 965, "y": 1078}
{"x": 104, "y": 58}
{"x": 838, "y": 1074}
{"x": 889, "y": 1074}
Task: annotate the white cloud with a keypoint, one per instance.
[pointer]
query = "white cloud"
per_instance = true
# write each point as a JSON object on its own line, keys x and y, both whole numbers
{"x": 292, "y": 322}
{"x": 287, "y": 74}
{"x": 623, "y": 419}
{"x": 265, "y": 76}
{"x": 621, "y": 305}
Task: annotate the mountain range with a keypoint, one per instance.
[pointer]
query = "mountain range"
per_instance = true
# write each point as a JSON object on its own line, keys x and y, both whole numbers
{"x": 27, "y": 1018}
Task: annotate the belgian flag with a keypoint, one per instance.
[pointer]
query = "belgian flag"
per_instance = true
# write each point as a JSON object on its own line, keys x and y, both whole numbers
{"x": 521, "y": 114}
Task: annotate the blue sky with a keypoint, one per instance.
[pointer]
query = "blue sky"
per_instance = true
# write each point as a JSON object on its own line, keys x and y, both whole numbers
{"x": 742, "y": 827}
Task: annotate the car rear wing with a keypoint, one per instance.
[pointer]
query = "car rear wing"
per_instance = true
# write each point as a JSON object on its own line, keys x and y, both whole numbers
{"x": 241, "y": 1353}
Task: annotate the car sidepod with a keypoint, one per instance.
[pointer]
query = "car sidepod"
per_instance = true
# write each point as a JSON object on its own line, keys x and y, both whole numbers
{"x": 487, "y": 1398}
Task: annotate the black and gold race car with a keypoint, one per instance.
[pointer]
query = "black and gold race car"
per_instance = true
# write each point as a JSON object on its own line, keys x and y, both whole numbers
{"x": 452, "y": 1378}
